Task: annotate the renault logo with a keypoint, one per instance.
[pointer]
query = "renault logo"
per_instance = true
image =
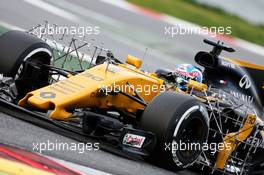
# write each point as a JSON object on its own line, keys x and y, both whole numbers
{"x": 245, "y": 82}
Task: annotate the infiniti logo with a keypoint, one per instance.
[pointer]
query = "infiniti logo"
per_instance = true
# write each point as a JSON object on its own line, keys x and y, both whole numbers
{"x": 245, "y": 82}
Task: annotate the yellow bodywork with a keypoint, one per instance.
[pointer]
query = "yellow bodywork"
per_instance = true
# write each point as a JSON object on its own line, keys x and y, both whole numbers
{"x": 244, "y": 64}
{"x": 86, "y": 90}
{"x": 197, "y": 86}
{"x": 233, "y": 140}
{"x": 134, "y": 61}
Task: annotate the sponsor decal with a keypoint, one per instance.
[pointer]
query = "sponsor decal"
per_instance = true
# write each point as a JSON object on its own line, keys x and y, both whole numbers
{"x": 246, "y": 98}
{"x": 93, "y": 77}
{"x": 47, "y": 95}
{"x": 19, "y": 71}
{"x": 254, "y": 141}
{"x": 224, "y": 82}
{"x": 112, "y": 70}
{"x": 133, "y": 140}
{"x": 245, "y": 82}
{"x": 228, "y": 64}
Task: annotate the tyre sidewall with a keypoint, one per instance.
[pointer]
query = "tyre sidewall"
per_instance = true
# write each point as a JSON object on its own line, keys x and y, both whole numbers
{"x": 18, "y": 67}
{"x": 162, "y": 116}
{"x": 182, "y": 118}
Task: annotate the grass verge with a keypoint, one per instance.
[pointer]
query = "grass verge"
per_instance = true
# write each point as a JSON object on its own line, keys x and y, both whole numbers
{"x": 206, "y": 16}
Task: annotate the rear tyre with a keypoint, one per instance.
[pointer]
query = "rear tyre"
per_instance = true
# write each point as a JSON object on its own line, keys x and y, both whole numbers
{"x": 176, "y": 120}
{"x": 17, "y": 49}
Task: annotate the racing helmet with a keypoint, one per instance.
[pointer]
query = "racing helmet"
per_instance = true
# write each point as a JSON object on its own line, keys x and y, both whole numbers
{"x": 185, "y": 72}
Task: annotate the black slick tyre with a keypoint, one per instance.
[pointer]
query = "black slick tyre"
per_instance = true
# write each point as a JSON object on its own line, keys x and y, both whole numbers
{"x": 18, "y": 48}
{"x": 176, "y": 119}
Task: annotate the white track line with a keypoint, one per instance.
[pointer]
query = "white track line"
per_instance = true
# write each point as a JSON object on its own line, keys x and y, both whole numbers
{"x": 80, "y": 168}
{"x": 52, "y": 9}
{"x": 10, "y": 26}
{"x": 254, "y": 48}
{"x": 74, "y": 18}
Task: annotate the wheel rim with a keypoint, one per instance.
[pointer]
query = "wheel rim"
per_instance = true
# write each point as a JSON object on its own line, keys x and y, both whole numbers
{"x": 191, "y": 133}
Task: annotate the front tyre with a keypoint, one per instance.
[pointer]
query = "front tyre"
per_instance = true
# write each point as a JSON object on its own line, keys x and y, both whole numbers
{"x": 18, "y": 50}
{"x": 181, "y": 125}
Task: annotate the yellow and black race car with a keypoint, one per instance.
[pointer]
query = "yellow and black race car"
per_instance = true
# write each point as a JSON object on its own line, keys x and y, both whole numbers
{"x": 215, "y": 124}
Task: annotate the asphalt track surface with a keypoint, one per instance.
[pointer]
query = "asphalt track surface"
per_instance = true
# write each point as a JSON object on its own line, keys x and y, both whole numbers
{"x": 124, "y": 33}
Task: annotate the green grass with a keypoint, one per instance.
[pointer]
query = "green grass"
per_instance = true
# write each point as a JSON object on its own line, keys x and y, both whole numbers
{"x": 206, "y": 16}
{"x": 69, "y": 62}
{"x": 3, "y": 30}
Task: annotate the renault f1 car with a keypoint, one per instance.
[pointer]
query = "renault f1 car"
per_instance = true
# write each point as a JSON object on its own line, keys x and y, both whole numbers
{"x": 215, "y": 125}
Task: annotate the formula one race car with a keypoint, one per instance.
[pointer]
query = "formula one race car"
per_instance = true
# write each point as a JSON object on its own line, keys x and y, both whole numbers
{"x": 172, "y": 118}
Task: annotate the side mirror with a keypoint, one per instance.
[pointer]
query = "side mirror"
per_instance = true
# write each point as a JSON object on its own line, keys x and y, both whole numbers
{"x": 100, "y": 59}
{"x": 134, "y": 61}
